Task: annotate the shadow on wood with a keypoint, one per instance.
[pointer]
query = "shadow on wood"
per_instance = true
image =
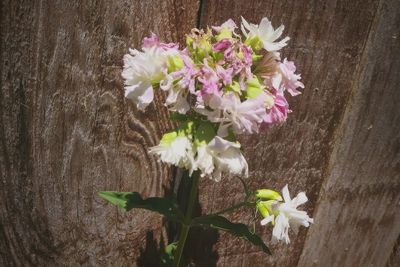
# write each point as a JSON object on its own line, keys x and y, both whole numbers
{"x": 199, "y": 248}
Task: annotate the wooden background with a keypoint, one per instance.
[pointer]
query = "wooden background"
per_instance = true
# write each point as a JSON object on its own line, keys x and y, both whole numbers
{"x": 66, "y": 132}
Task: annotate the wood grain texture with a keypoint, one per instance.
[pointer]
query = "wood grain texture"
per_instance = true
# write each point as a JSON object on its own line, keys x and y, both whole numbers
{"x": 394, "y": 259}
{"x": 328, "y": 41}
{"x": 358, "y": 219}
{"x": 67, "y": 133}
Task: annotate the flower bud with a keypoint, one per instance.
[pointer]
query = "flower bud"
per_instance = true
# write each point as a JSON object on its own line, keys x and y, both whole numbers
{"x": 268, "y": 194}
{"x": 262, "y": 209}
{"x": 254, "y": 88}
{"x": 174, "y": 63}
{"x": 234, "y": 87}
{"x": 225, "y": 33}
{"x": 256, "y": 57}
{"x": 268, "y": 209}
{"x": 255, "y": 43}
{"x": 189, "y": 41}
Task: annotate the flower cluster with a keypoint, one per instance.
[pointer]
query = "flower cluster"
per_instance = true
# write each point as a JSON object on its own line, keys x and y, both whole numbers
{"x": 281, "y": 212}
{"x": 220, "y": 84}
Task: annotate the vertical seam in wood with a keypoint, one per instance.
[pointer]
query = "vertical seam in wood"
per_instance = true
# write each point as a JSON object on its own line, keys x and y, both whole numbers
{"x": 200, "y": 13}
{"x": 392, "y": 255}
{"x": 354, "y": 86}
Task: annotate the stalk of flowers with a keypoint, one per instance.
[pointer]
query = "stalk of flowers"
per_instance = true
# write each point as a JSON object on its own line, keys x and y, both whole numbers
{"x": 235, "y": 83}
{"x": 221, "y": 84}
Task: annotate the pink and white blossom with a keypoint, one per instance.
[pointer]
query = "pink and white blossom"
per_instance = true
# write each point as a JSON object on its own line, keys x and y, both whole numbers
{"x": 244, "y": 117}
{"x": 218, "y": 86}
{"x": 153, "y": 40}
{"x": 141, "y": 70}
{"x": 279, "y": 111}
{"x": 237, "y": 84}
{"x": 290, "y": 81}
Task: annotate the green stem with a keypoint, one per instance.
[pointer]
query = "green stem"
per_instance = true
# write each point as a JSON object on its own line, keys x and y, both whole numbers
{"x": 241, "y": 204}
{"x": 188, "y": 217}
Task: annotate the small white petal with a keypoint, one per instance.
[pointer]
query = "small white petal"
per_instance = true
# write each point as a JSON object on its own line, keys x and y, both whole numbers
{"x": 267, "y": 220}
{"x": 301, "y": 198}
{"x": 285, "y": 194}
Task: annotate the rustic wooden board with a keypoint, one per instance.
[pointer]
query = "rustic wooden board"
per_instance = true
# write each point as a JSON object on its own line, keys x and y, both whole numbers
{"x": 66, "y": 133}
{"x": 358, "y": 208}
{"x": 328, "y": 41}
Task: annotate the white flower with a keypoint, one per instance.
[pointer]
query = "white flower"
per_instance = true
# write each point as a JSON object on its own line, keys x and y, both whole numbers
{"x": 289, "y": 216}
{"x": 177, "y": 96}
{"x": 204, "y": 160}
{"x": 178, "y": 152}
{"x": 266, "y": 33}
{"x": 228, "y": 25}
{"x": 243, "y": 116}
{"x": 141, "y": 70}
{"x": 227, "y": 158}
{"x": 267, "y": 220}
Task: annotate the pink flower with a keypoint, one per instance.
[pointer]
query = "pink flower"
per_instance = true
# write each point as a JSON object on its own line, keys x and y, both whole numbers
{"x": 225, "y": 74}
{"x": 247, "y": 53}
{"x": 150, "y": 41}
{"x": 153, "y": 40}
{"x": 230, "y": 112}
{"x": 177, "y": 95}
{"x": 222, "y": 45}
{"x": 290, "y": 80}
{"x": 209, "y": 80}
{"x": 226, "y": 46}
{"x": 279, "y": 111}
{"x": 187, "y": 74}
{"x": 243, "y": 116}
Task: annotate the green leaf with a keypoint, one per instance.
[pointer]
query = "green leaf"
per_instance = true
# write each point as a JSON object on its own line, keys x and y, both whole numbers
{"x": 167, "y": 258}
{"x": 130, "y": 200}
{"x": 204, "y": 133}
{"x": 175, "y": 116}
{"x": 254, "y": 88}
{"x": 237, "y": 229}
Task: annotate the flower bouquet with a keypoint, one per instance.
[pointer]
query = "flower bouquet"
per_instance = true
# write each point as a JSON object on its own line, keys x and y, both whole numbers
{"x": 220, "y": 85}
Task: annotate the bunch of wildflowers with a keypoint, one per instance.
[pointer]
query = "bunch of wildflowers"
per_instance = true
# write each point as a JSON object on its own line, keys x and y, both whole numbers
{"x": 224, "y": 83}
{"x": 220, "y": 85}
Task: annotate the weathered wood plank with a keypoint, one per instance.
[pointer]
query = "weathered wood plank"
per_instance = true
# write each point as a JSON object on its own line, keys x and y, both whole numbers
{"x": 394, "y": 259}
{"x": 358, "y": 209}
{"x": 67, "y": 133}
{"x": 328, "y": 39}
